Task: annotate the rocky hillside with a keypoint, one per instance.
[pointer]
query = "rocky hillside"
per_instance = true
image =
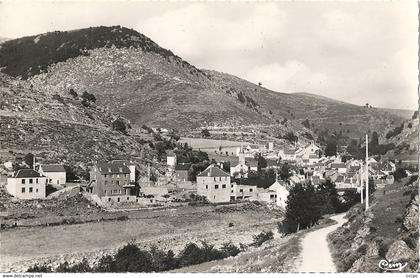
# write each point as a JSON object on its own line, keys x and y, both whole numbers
{"x": 388, "y": 230}
{"x": 132, "y": 76}
{"x": 406, "y": 139}
{"x": 60, "y": 128}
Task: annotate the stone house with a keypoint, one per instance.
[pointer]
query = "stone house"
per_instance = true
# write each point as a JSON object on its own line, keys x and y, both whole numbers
{"x": 214, "y": 184}
{"x": 183, "y": 171}
{"x": 111, "y": 181}
{"x": 27, "y": 184}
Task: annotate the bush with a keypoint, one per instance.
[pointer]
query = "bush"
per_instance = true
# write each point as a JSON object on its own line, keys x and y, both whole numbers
{"x": 230, "y": 250}
{"x": 120, "y": 125}
{"x": 39, "y": 268}
{"x": 262, "y": 237}
{"x": 394, "y": 132}
{"x": 241, "y": 97}
{"x": 131, "y": 259}
{"x": 205, "y": 133}
{"x": 73, "y": 93}
{"x": 83, "y": 266}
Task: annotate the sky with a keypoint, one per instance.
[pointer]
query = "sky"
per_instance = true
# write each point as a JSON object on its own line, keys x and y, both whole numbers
{"x": 358, "y": 52}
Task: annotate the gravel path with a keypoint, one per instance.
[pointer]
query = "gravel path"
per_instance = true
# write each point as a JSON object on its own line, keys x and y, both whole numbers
{"x": 316, "y": 255}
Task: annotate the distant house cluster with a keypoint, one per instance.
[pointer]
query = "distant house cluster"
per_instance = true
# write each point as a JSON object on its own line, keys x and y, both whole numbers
{"x": 118, "y": 181}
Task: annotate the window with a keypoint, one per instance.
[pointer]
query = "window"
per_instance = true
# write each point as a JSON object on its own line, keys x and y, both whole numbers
{"x": 241, "y": 190}
{"x": 214, "y": 178}
{"x": 23, "y": 181}
{"x": 118, "y": 182}
{"x": 231, "y": 191}
{"x": 223, "y": 185}
{"x": 128, "y": 198}
{"x": 220, "y": 178}
{"x": 216, "y": 186}
{"x": 118, "y": 175}
{"x": 36, "y": 180}
{"x": 109, "y": 199}
{"x": 105, "y": 192}
{"x": 207, "y": 187}
{"x": 231, "y": 185}
{"x": 118, "y": 199}
{"x": 36, "y": 190}
{"x": 250, "y": 190}
{"x": 23, "y": 189}
{"x": 31, "y": 189}
{"x": 105, "y": 175}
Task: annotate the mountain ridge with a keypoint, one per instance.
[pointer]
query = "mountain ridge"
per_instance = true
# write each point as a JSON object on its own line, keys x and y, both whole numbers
{"x": 150, "y": 85}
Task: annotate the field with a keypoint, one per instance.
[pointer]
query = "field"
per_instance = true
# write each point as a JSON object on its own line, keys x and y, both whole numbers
{"x": 168, "y": 229}
{"x": 201, "y": 143}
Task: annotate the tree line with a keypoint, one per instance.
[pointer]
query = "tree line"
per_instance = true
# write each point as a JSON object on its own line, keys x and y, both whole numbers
{"x": 306, "y": 204}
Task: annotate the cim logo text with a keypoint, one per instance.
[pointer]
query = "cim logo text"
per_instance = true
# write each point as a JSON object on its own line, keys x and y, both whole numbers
{"x": 390, "y": 266}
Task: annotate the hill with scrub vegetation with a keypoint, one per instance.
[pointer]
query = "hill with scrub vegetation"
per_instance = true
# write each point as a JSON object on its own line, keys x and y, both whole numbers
{"x": 70, "y": 129}
{"x": 132, "y": 76}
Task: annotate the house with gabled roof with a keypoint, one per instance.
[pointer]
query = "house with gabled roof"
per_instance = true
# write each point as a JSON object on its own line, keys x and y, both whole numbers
{"x": 214, "y": 184}
{"x": 27, "y": 184}
{"x": 183, "y": 171}
{"x": 112, "y": 181}
{"x": 282, "y": 189}
{"x": 55, "y": 173}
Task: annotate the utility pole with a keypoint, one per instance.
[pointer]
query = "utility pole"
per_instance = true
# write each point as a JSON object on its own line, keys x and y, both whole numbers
{"x": 367, "y": 173}
{"x": 361, "y": 184}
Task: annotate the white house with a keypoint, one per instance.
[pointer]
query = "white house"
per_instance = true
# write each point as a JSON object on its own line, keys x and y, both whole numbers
{"x": 55, "y": 173}
{"x": 282, "y": 192}
{"x": 27, "y": 184}
{"x": 171, "y": 159}
{"x": 310, "y": 151}
{"x": 267, "y": 196}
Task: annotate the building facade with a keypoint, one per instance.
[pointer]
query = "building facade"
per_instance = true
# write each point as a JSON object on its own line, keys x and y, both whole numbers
{"x": 111, "y": 181}
{"x": 27, "y": 184}
{"x": 55, "y": 173}
{"x": 214, "y": 184}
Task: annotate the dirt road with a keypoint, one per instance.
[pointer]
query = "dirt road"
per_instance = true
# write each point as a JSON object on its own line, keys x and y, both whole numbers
{"x": 316, "y": 256}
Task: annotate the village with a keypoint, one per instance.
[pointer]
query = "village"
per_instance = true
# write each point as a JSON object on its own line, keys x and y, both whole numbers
{"x": 254, "y": 172}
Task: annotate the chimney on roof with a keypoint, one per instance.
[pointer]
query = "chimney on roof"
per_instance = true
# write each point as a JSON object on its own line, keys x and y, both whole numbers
{"x": 33, "y": 163}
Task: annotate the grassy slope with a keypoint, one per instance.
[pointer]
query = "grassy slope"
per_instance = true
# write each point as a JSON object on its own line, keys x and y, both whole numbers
{"x": 351, "y": 242}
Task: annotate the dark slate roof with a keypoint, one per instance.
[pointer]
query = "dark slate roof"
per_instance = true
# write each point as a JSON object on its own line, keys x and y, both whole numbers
{"x": 271, "y": 162}
{"x": 213, "y": 171}
{"x": 183, "y": 167}
{"x": 115, "y": 167}
{"x": 53, "y": 168}
{"x": 234, "y": 163}
{"x": 340, "y": 179}
{"x": 290, "y": 151}
{"x": 27, "y": 173}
